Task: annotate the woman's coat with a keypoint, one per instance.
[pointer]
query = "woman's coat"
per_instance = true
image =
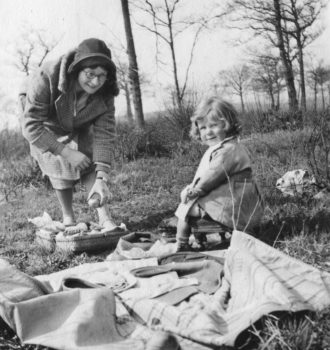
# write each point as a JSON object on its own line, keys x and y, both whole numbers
{"x": 48, "y": 120}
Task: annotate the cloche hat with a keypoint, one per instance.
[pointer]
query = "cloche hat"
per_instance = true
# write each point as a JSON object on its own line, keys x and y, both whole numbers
{"x": 92, "y": 52}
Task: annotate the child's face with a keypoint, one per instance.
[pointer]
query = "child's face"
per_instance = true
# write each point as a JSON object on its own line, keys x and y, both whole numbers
{"x": 212, "y": 131}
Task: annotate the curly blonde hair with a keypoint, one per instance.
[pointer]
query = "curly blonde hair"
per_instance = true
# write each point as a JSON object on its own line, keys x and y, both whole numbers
{"x": 215, "y": 108}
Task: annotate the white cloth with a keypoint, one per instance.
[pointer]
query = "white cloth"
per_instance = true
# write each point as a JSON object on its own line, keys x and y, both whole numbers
{"x": 155, "y": 286}
{"x": 159, "y": 248}
{"x": 99, "y": 272}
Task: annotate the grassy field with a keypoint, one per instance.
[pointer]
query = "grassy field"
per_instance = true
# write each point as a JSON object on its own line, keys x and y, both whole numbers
{"x": 146, "y": 189}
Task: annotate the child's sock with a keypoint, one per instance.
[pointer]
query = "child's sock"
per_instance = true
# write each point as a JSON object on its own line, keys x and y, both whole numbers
{"x": 182, "y": 244}
{"x": 182, "y": 235}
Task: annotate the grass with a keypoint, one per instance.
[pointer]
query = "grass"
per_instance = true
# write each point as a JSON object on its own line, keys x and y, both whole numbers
{"x": 285, "y": 331}
{"x": 140, "y": 200}
{"x": 146, "y": 190}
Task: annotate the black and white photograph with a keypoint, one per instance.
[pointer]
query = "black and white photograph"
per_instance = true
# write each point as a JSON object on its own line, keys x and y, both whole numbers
{"x": 165, "y": 175}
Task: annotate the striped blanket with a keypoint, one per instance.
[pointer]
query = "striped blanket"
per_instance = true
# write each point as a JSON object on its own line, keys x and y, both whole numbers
{"x": 258, "y": 280}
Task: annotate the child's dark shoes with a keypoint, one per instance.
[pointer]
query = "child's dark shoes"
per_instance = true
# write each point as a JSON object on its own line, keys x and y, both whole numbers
{"x": 184, "y": 247}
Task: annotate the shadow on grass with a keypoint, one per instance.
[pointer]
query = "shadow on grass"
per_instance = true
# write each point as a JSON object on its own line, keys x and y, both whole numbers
{"x": 150, "y": 222}
{"x": 283, "y": 226}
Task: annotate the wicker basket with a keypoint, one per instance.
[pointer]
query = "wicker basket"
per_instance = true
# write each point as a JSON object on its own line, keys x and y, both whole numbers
{"x": 89, "y": 242}
{"x": 46, "y": 239}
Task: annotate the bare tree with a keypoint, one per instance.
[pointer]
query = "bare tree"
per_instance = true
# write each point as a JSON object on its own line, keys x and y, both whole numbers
{"x": 167, "y": 23}
{"x": 323, "y": 75}
{"x": 237, "y": 79}
{"x": 312, "y": 79}
{"x": 263, "y": 19}
{"x": 288, "y": 25}
{"x": 266, "y": 76}
{"x": 300, "y": 17}
{"x": 133, "y": 66}
{"x": 312, "y": 82}
{"x": 32, "y": 48}
{"x": 318, "y": 77}
{"x": 284, "y": 47}
{"x": 121, "y": 57}
{"x": 123, "y": 80}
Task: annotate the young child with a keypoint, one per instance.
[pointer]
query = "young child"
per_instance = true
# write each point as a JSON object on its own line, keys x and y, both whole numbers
{"x": 223, "y": 189}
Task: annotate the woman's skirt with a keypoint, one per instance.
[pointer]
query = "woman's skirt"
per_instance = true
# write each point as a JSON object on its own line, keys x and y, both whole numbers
{"x": 56, "y": 167}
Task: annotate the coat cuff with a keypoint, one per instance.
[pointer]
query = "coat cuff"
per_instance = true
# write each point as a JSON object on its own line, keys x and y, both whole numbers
{"x": 102, "y": 167}
{"x": 59, "y": 148}
{"x": 48, "y": 142}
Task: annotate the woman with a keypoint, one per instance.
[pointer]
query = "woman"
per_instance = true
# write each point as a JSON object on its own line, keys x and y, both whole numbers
{"x": 69, "y": 122}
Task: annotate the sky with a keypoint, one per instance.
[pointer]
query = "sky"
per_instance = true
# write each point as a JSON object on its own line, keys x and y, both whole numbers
{"x": 75, "y": 20}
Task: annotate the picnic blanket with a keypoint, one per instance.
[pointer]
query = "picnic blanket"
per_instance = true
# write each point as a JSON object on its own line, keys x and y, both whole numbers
{"x": 257, "y": 280}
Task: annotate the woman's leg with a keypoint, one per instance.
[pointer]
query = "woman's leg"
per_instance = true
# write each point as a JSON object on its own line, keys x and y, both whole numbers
{"x": 65, "y": 197}
{"x": 64, "y": 193}
{"x": 105, "y": 219}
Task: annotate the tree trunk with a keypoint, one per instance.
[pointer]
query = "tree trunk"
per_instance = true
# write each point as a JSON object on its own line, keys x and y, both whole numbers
{"x": 175, "y": 68}
{"x": 133, "y": 73}
{"x": 278, "y": 95}
{"x": 288, "y": 72}
{"x": 271, "y": 96}
{"x": 242, "y": 100}
{"x": 302, "y": 75}
{"x": 315, "y": 95}
{"x": 129, "y": 113}
{"x": 175, "y": 75}
{"x": 298, "y": 36}
{"x": 299, "y": 90}
{"x": 322, "y": 94}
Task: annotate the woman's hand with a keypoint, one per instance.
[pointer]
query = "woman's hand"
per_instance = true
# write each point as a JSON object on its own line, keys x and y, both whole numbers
{"x": 77, "y": 159}
{"x": 100, "y": 188}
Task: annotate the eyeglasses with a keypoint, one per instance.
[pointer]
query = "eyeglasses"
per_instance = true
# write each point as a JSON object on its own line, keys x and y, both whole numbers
{"x": 90, "y": 76}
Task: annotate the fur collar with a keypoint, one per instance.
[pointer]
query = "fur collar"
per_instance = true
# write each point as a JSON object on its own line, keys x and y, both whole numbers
{"x": 65, "y": 62}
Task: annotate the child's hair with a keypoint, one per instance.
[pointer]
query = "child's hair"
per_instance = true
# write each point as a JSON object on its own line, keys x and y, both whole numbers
{"x": 217, "y": 109}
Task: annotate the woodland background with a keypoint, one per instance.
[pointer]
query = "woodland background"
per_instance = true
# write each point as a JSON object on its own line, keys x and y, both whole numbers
{"x": 280, "y": 86}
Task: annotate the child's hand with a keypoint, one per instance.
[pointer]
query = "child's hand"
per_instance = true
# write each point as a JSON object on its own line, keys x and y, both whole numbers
{"x": 100, "y": 188}
{"x": 193, "y": 192}
{"x": 77, "y": 159}
{"x": 184, "y": 194}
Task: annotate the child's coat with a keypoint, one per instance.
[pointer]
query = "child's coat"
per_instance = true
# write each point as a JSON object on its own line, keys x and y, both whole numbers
{"x": 232, "y": 196}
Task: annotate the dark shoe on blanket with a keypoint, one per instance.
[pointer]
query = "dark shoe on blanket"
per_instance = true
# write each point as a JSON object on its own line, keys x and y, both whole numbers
{"x": 70, "y": 283}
